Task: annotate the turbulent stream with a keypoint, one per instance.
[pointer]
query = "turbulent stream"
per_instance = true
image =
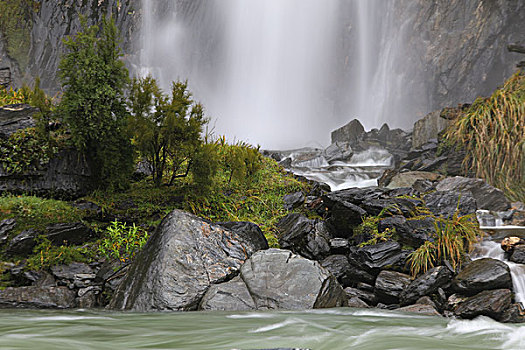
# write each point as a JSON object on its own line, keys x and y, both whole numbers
{"x": 320, "y": 329}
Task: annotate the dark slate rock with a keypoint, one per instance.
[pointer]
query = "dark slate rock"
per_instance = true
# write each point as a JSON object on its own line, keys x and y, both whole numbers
{"x": 303, "y": 236}
{"x": 357, "y": 303}
{"x": 338, "y": 266}
{"x": 410, "y": 232}
{"x": 6, "y": 226}
{"x": 279, "y": 279}
{"x": 16, "y": 117}
{"x": 426, "y": 284}
{"x": 22, "y": 244}
{"x": 379, "y": 255}
{"x": 69, "y": 272}
{"x": 69, "y": 233}
{"x": 426, "y": 301}
{"x": 351, "y": 132}
{"x": 249, "y": 231}
{"x": 338, "y": 151}
{"x": 359, "y": 274}
{"x": 518, "y": 254}
{"x": 354, "y": 195}
{"x": 492, "y": 303}
{"x": 293, "y": 200}
{"x": 92, "y": 210}
{"x": 366, "y": 296}
{"x": 66, "y": 176}
{"x": 229, "y": 296}
{"x": 339, "y": 246}
{"x": 442, "y": 203}
{"x": 482, "y": 274}
{"x": 181, "y": 260}
{"x": 374, "y": 207}
{"x": 345, "y": 216}
{"x": 486, "y": 196}
{"x": 513, "y": 314}
{"x": 423, "y": 186}
{"x": 420, "y": 309}
{"x": 389, "y": 285}
{"x": 37, "y": 297}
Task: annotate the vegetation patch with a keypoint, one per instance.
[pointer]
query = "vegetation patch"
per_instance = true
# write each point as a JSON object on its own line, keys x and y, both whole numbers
{"x": 121, "y": 241}
{"x": 46, "y": 255}
{"x": 37, "y": 213}
{"x": 453, "y": 240}
{"x": 493, "y": 133}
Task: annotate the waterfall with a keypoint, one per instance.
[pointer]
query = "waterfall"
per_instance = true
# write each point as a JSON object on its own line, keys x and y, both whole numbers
{"x": 282, "y": 73}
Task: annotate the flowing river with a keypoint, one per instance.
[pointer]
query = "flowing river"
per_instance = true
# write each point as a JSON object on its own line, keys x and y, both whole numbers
{"x": 318, "y": 329}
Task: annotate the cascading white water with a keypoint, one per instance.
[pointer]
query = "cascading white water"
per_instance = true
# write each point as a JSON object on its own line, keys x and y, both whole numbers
{"x": 281, "y": 73}
{"x": 267, "y": 70}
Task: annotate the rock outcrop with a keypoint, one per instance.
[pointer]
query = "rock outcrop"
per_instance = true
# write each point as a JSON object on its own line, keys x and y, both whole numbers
{"x": 277, "y": 279}
{"x": 180, "y": 262}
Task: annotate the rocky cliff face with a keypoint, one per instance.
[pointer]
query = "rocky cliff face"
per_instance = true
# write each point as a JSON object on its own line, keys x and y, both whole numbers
{"x": 55, "y": 20}
{"x": 459, "y": 47}
{"x": 452, "y": 52}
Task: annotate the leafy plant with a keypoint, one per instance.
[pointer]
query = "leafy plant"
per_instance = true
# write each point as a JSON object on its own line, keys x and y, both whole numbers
{"x": 47, "y": 255}
{"x": 93, "y": 103}
{"x": 453, "y": 239}
{"x": 121, "y": 241}
{"x": 493, "y": 134}
{"x": 167, "y": 129}
{"x": 25, "y": 151}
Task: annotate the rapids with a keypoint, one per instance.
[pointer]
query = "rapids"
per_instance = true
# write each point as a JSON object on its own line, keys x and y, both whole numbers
{"x": 329, "y": 329}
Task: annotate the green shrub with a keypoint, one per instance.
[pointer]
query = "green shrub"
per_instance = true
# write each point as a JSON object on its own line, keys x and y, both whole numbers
{"x": 25, "y": 151}
{"x": 93, "y": 103}
{"x": 167, "y": 130}
{"x": 122, "y": 242}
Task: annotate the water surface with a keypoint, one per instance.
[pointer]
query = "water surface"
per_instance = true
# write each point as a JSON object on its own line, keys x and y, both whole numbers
{"x": 320, "y": 329}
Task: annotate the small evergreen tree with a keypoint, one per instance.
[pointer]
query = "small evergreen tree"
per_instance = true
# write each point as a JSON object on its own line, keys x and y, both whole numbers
{"x": 93, "y": 103}
{"x": 167, "y": 131}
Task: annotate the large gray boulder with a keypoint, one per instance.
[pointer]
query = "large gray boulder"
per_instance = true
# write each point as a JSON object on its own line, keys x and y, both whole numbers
{"x": 492, "y": 303}
{"x": 182, "y": 259}
{"x": 482, "y": 274}
{"x": 351, "y": 132}
{"x": 487, "y": 197}
{"x": 277, "y": 279}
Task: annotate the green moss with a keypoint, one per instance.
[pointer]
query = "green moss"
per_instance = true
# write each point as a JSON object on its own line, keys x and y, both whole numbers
{"x": 36, "y": 213}
{"x": 16, "y": 25}
{"x": 47, "y": 255}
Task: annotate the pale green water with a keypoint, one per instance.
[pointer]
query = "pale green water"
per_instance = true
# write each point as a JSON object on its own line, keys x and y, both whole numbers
{"x": 326, "y": 329}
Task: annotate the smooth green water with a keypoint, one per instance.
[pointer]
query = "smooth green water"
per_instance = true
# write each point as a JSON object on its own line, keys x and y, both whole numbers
{"x": 321, "y": 329}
